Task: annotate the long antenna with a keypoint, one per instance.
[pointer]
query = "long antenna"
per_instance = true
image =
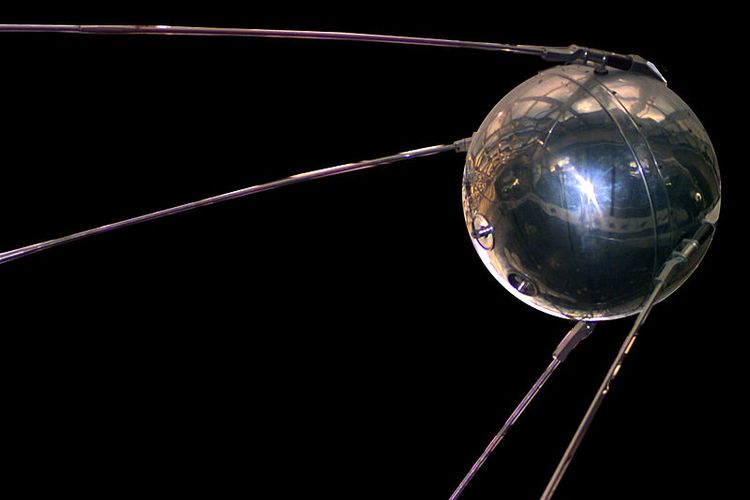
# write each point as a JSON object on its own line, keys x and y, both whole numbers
{"x": 458, "y": 146}
{"x": 683, "y": 252}
{"x": 579, "y": 332}
{"x": 555, "y": 54}
{"x": 135, "y": 29}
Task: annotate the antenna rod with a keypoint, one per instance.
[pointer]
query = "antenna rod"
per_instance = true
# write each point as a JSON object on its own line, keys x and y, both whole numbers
{"x": 136, "y": 29}
{"x": 683, "y": 252}
{"x": 458, "y": 146}
{"x": 579, "y": 332}
{"x": 553, "y": 54}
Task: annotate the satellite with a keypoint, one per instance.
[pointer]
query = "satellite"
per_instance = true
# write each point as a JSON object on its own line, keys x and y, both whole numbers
{"x": 590, "y": 192}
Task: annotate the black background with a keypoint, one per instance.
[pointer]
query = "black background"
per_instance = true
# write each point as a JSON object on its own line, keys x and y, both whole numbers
{"x": 340, "y": 338}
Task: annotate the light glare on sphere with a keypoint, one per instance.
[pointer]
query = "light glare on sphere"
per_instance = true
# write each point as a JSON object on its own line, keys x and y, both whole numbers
{"x": 578, "y": 186}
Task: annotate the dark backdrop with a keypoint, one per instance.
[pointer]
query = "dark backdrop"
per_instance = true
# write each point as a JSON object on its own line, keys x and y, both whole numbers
{"x": 339, "y": 339}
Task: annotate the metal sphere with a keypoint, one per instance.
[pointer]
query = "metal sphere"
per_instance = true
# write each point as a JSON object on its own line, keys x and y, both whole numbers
{"x": 578, "y": 186}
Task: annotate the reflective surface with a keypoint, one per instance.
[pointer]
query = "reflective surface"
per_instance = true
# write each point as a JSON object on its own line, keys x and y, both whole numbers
{"x": 587, "y": 183}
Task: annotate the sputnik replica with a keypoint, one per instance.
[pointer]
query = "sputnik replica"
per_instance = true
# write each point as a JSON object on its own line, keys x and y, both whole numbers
{"x": 591, "y": 191}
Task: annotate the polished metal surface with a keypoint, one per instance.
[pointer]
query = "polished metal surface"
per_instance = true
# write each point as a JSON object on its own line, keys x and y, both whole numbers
{"x": 589, "y": 182}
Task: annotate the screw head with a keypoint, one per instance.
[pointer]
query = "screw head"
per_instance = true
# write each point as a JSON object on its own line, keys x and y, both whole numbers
{"x": 483, "y": 232}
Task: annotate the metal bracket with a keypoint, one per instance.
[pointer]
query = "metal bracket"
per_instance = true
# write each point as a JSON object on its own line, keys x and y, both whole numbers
{"x": 602, "y": 59}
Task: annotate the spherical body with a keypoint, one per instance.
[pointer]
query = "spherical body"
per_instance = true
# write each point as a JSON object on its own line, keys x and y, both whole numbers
{"x": 580, "y": 184}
